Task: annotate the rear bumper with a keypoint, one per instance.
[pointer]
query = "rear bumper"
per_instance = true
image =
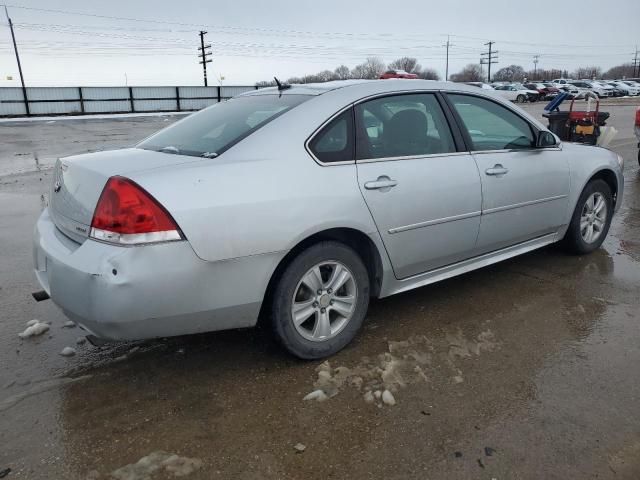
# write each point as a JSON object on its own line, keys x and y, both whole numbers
{"x": 127, "y": 293}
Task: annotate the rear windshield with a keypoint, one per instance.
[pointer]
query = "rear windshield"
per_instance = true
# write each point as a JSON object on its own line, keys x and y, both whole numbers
{"x": 215, "y": 129}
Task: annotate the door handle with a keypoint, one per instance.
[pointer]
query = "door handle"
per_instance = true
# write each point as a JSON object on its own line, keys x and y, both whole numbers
{"x": 383, "y": 183}
{"x": 497, "y": 170}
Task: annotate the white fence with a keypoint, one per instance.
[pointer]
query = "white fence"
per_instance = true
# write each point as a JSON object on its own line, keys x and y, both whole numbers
{"x": 16, "y": 102}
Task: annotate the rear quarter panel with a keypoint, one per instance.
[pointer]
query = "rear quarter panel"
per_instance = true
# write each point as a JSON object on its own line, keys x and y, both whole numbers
{"x": 263, "y": 195}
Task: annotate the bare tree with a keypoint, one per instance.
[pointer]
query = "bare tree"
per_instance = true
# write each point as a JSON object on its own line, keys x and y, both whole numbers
{"x": 372, "y": 67}
{"x": 408, "y": 64}
{"x": 342, "y": 72}
{"x": 512, "y": 73}
{"x": 294, "y": 80}
{"x": 545, "y": 74}
{"x": 268, "y": 83}
{"x": 620, "y": 71}
{"x": 470, "y": 73}
{"x": 428, "y": 74}
{"x": 326, "y": 76}
{"x": 587, "y": 72}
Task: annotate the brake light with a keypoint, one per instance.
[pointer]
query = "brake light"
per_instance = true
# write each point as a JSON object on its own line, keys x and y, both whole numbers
{"x": 127, "y": 214}
{"x": 638, "y": 117}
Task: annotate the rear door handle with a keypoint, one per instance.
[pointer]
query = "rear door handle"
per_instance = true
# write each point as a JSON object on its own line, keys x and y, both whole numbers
{"x": 383, "y": 183}
{"x": 497, "y": 170}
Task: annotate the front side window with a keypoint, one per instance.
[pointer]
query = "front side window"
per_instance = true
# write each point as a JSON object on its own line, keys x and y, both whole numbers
{"x": 401, "y": 126}
{"x": 334, "y": 143}
{"x": 217, "y": 128}
{"x": 492, "y": 126}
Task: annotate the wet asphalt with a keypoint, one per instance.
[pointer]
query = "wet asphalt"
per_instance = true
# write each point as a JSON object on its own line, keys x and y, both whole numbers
{"x": 527, "y": 369}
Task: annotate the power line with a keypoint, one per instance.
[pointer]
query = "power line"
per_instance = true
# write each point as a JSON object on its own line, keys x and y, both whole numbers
{"x": 205, "y": 51}
{"x": 15, "y": 49}
{"x": 448, "y": 45}
{"x": 490, "y": 57}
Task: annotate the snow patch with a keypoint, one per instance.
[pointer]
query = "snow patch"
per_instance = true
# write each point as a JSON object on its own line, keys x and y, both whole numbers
{"x": 172, "y": 464}
{"x": 405, "y": 363}
{"x": 388, "y": 398}
{"x": 69, "y": 324}
{"x": 317, "y": 395}
{"x": 34, "y": 328}
{"x": 68, "y": 352}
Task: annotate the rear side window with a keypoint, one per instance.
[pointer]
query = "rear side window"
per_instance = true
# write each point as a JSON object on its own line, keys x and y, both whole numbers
{"x": 490, "y": 125}
{"x": 334, "y": 143}
{"x": 215, "y": 129}
{"x": 402, "y": 126}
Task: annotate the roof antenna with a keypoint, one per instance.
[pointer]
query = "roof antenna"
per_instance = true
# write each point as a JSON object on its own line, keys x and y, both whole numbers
{"x": 281, "y": 86}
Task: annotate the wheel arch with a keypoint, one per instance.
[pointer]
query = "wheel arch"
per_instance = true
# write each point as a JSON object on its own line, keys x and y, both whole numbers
{"x": 356, "y": 239}
{"x": 609, "y": 178}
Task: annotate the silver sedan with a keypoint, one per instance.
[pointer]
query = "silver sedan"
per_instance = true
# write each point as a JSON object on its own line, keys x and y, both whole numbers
{"x": 300, "y": 203}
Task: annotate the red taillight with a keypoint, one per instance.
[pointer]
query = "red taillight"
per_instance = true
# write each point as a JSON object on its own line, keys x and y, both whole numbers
{"x": 127, "y": 214}
{"x": 638, "y": 117}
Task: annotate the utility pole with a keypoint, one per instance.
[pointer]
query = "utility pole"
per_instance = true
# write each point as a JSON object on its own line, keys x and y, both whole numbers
{"x": 204, "y": 53}
{"x": 536, "y": 59}
{"x": 446, "y": 72}
{"x": 489, "y": 58}
{"x": 636, "y": 64}
{"x": 15, "y": 49}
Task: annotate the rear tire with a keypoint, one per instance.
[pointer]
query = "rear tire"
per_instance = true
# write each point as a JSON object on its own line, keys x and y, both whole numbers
{"x": 591, "y": 219}
{"x": 311, "y": 319}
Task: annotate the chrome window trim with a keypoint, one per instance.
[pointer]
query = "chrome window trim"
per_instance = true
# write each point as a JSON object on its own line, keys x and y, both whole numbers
{"x": 489, "y": 211}
{"x": 515, "y": 150}
{"x": 437, "y": 221}
{"x": 412, "y": 157}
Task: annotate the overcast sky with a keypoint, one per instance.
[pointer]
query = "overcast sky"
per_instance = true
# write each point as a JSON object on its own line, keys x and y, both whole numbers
{"x": 255, "y": 40}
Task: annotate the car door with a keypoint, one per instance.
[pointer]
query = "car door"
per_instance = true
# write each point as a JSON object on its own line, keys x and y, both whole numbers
{"x": 524, "y": 188}
{"x": 424, "y": 195}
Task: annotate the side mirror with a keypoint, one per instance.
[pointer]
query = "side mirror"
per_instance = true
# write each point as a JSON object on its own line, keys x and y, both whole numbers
{"x": 546, "y": 139}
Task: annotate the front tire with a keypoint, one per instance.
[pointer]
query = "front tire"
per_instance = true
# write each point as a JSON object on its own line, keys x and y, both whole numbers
{"x": 320, "y": 300}
{"x": 591, "y": 219}
{"x": 520, "y": 99}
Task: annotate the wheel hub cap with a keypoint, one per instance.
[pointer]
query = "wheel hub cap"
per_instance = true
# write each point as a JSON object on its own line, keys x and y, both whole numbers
{"x": 324, "y": 300}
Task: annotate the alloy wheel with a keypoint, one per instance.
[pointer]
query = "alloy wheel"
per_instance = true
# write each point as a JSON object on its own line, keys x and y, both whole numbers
{"x": 593, "y": 218}
{"x": 324, "y": 301}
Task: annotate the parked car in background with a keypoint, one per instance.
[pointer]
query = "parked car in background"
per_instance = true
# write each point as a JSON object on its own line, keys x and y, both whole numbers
{"x": 621, "y": 90}
{"x": 484, "y": 85}
{"x": 628, "y": 89}
{"x": 614, "y": 92}
{"x": 178, "y": 234}
{"x": 575, "y": 93}
{"x": 517, "y": 93}
{"x": 631, "y": 83}
{"x": 397, "y": 74}
{"x": 599, "y": 90}
{"x": 561, "y": 81}
{"x": 545, "y": 92}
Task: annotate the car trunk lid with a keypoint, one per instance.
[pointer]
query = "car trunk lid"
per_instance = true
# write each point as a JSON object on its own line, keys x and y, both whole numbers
{"x": 78, "y": 182}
